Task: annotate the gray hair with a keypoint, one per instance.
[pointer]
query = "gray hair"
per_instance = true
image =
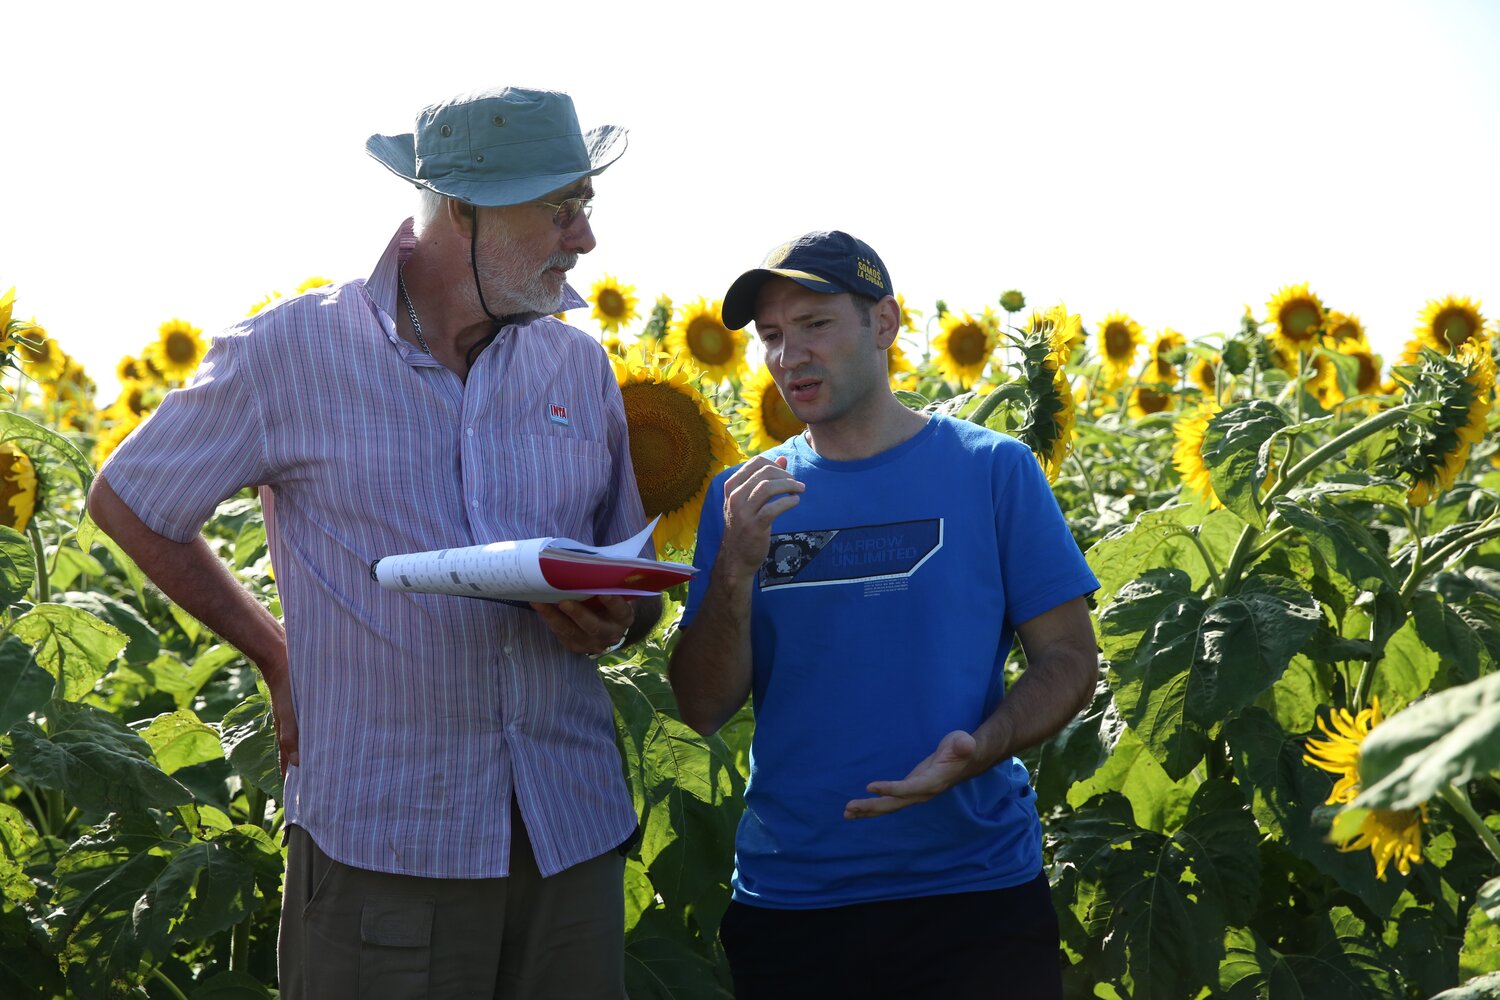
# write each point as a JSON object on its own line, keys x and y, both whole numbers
{"x": 429, "y": 207}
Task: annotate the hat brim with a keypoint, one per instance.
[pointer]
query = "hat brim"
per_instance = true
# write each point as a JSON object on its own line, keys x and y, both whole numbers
{"x": 739, "y": 301}
{"x": 398, "y": 154}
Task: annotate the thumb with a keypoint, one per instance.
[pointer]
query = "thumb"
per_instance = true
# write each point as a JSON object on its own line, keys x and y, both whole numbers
{"x": 957, "y": 745}
{"x": 781, "y": 461}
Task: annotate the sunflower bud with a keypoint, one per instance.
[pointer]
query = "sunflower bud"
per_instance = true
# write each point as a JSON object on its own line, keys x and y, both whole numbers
{"x": 1012, "y": 301}
{"x": 1236, "y": 356}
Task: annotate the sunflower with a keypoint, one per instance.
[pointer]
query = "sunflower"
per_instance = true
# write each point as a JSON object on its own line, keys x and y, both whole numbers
{"x": 1204, "y": 373}
{"x": 1322, "y": 381}
{"x": 1449, "y": 322}
{"x": 896, "y": 361}
{"x": 134, "y": 399}
{"x": 177, "y": 350}
{"x": 909, "y": 316}
{"x": 699, "y": 337}
{"x": 257, "y": 307}
{"x": 1187, "y": 453}
{"x": 1344, "y": 329}
{"x": 1433, "y": 451}
{"x": 1368, "y": 380}
{"x": 109, "y": 439}
{"x": 8, "y": 343}
{"x": 1120, "y": 339}
{"x": 678, "y": 443}
{"x": 1050, "y": 411}
{"x": 1390, "y": 834}
{"x": 768, "y": 420}
{"x": 308, "y": 284}
{"x": 1146, "y": 400}
{"x": 42, "y": 358}
{"x": 17, "y": 487}
{"x": 964, "y": 345}
{"x": 1168, "y": 350}
{"x": 72, "y": 386}
{"x": 1298, "y": 315}
{"x": 614, "y": 303}
{"x": 1012, "y": 301}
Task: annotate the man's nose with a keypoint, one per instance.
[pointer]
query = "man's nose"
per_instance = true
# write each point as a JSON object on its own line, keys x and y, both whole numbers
{"x": 579, "y": 236}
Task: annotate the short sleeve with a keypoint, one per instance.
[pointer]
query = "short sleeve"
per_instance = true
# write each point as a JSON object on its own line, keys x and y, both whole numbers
{"x": 203, "y": 444}
{"x": 706, "y": 550}
{"x": 1040, "y": 563}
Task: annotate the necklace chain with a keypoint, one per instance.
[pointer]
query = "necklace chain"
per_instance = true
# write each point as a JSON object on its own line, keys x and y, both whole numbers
{"x": 411, "y": 313}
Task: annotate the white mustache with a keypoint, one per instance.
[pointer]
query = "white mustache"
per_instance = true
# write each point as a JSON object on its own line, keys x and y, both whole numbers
{"x": 564, "y": 261}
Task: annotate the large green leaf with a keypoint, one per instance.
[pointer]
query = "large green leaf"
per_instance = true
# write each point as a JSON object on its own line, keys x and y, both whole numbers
{"x": 33, "y": 438}
{"x": 1136, "y": 606}
{"x": 1445, "y": 739}
{"x": 1163, "y": 903}
{"x": 1201, "y": 663}
{"x": 687, "y": 792}
{"x": 1445, "y": 630}
{"x": 180, "y": 739}
{"x": 71, "y": 644}
{"x": 24, "y": 686}
{"x": 17, "y": 566}
{"x": 1488, "y": 899}
{"x": 248, "y": 736}
{"x": 1157, "y": 802}
{"x": 142, "y": 642}
{"x": 1345, "y": 964}
{"x": 97, "y": 762}
{"x": 1406, "y": 669}
{"x": 1485, "y": 987}
{"x": 1162, "y": 538}
{"x": 1344, "y": 542}
{"x": 662, "y": 962}
{"x": 17, "y": 841}
{"x": 1075, "y": 752}
{"x": 1237, "y": 453}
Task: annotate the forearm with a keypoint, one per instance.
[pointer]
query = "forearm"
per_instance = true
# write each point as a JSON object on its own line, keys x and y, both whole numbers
{"x": 710, "y": 669}
{"x": 1053, "y": 688}
{"x": 193, "y": 577}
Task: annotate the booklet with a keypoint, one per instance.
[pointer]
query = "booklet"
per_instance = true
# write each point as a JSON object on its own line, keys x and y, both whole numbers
{"x": 547, "y": 570}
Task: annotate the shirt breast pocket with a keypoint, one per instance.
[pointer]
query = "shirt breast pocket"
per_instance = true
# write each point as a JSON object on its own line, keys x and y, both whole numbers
{"x": 557, "y": 484}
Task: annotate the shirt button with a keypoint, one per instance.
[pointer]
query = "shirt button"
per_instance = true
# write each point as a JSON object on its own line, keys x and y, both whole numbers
{"x": 474, "y": 504}
{"x": 470, "y": 432}
{"x": 512, "y": 727}
{"x": 509, "y": 650}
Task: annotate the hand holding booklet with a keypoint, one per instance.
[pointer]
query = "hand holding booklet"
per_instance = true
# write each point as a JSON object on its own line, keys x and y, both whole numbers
{"x": 546, "y": 570}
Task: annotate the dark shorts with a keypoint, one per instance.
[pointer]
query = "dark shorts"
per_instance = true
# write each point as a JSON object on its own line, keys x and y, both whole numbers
{"x": 1001, "y": 943}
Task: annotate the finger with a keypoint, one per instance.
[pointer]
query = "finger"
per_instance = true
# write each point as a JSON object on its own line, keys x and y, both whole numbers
{"x": 865, "y": 808}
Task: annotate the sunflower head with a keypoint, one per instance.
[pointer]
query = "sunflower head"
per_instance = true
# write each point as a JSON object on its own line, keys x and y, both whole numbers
{"x": 1187, "y": 452}
{"x": 7, "y": 306}
{"x": 964, "y": 345}
{"x": 1430, "y": 449}
{"x": 309, "y": 283}
{"x": 614, "y": 304}
{"x": 909, "y": 316}
{"x": 1120, "y": 339}
{"x": 41, "y": 356}
{"x": 1012, "y": 301}
{"x": 17, "y": 487}
{"x": 896, "y": 361}
{"x": 1204, "y": 373}
{"x": 260, "y": 304}
{"x": 1298, "y": 317}
{"x": 1391, "y": 835}
{"x": 768, "y": 420}
{"x": 1146, "y": 401}
{"x": 1344, "y": 332}
{"x": 124, "y": 421}
{"x": 1050, "y": 408}
{"x": 678, "y": 443}
{"x": 1450, "y": 322}
{"x": 699, "y": 337}
{"x": 177, "y": 350}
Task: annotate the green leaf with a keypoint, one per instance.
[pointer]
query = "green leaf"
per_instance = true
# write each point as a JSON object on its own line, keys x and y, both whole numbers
{"x": 1405, "y": 671}
{"x": 180, "y": 739}
{"x": 248, "y": 736}
{"x": 1485, "y": 987}
{"x": 17, "y": 842}
{"x": 33, "y": 438}
{"x": 70, "y": 644}
{"x": 1136, "y": 606}
{"x": 1444, "y": 630}
{"x": 1165, "y": 902}
{"x": 90, "y": 534}
{"x": 1445, "y": 739}
{"x": 1342, "y": 540}
{"x": 1156, "y": 801}
{"x": 142, "y": 642}
{"x": 17, "y": 566}
{"x": 1075, "y": 752}
{"x": 1343, "y": 965}
{"x": 69, "y": 564}
{"x": 1236, "y": 449}
{"x": 1202, "y": 663}
{"x": 24, "y": 686}
{"x": 1488, "y": 899}
{"x": 1162, "y": 538}
{"x": 664, "y": 962}
{"x": 250, "y": 544}
{"x": 98, "y": 763}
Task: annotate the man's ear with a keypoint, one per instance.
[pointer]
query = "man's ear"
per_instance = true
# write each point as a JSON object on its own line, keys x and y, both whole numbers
{"x": 459, "y": 215}
{"x": 886, "y": 315}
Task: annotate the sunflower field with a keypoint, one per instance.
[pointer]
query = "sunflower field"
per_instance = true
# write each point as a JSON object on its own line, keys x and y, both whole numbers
{"x": 1286, "y": 785}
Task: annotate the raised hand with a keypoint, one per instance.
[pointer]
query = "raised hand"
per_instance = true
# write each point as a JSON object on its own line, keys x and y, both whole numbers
{"x": 953, "y": 761}
{"x": 754, "y": 496}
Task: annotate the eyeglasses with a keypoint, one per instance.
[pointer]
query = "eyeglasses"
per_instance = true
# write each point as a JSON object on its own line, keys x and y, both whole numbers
{"x": 566, "y": 211}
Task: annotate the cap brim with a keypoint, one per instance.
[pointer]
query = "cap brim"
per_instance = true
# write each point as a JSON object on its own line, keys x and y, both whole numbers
{"x": 398, "y": 154}
{"x": 739, "y": 301}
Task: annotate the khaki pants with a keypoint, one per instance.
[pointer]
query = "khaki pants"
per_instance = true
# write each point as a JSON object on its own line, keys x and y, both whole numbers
{"x": 362, "y": 935}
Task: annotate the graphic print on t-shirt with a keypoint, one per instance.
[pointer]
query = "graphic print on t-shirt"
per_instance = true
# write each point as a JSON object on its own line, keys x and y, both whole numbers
{"x": 850, "y": 555}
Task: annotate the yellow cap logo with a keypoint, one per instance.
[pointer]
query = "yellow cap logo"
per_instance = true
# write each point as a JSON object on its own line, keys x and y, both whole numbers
{"x": 778, "y": 255}
{"x": 869, "y": 272}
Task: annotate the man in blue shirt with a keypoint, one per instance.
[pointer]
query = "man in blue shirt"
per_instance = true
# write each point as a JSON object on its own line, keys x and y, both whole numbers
{"x": 865, "y": 580}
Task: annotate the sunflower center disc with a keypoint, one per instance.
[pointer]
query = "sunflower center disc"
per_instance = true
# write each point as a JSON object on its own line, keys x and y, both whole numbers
{"x": 669, "y": 446}
{"x": 180, "y": 348}
{"x": 1454, "y": 328}
{"x": 1299, "y": 320}
{"x": 611, "y": 303}
{"x": 1117, "y": 343}
{"x": 708, "y": 343}
{"x": 967, "y": 345}
{"x": 1152, "y": 402}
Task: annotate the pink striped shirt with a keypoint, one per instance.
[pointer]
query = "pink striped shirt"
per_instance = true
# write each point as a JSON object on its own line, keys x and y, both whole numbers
{"x": 419, "y": 715}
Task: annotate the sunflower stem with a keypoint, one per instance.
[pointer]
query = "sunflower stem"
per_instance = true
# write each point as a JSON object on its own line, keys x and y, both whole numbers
{"x": 1088, "y": 481}
{"x": 1422, "y": 567}
{"x": 1238, "y": 559}
{"x": 1265, "y": 546}
{"x": 156, "y": 973}
{"x": 39, "y": 553}
{"x": 1458, "y": 798}
{"x": 987, "y": 406}
{"x": 1365, "y": 428}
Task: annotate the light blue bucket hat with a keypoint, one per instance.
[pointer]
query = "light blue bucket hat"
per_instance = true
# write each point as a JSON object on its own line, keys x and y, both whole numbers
{"x": 498, "y": 147}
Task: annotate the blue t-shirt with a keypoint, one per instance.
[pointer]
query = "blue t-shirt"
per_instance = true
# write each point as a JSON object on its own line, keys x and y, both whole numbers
{"x": 881, "y": 622}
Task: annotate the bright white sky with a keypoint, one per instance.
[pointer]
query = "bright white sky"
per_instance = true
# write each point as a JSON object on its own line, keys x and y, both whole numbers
{"x": 1175, "y": 160}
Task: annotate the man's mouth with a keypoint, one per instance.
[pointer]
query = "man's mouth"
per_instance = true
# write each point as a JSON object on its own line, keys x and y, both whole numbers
{"x": 803, "y": 388}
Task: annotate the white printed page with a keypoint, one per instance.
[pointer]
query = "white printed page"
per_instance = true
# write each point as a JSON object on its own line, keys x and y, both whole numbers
{"x": 508, "y": 570}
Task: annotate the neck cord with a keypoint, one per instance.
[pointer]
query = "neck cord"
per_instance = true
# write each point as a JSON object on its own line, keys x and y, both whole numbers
{"x": 411, "y": 313}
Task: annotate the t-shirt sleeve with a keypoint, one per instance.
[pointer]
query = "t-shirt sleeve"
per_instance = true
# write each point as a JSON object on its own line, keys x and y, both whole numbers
{"x": 203, "y": 444}
{"x": 620, "y": 514}
{"x": 706, "y": 551}
{"x": 1040, "y": 563}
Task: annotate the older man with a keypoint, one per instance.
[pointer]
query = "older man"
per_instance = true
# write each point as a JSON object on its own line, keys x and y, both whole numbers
{"x": 454, "y": 796}
{"x": 866, "y": 579}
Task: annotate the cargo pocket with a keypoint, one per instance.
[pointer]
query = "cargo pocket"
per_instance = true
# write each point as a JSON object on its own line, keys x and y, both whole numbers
{"x": 395, "y": 947}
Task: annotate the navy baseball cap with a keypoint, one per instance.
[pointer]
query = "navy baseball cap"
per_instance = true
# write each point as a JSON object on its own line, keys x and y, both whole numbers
{"x": 829, "y": 262}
